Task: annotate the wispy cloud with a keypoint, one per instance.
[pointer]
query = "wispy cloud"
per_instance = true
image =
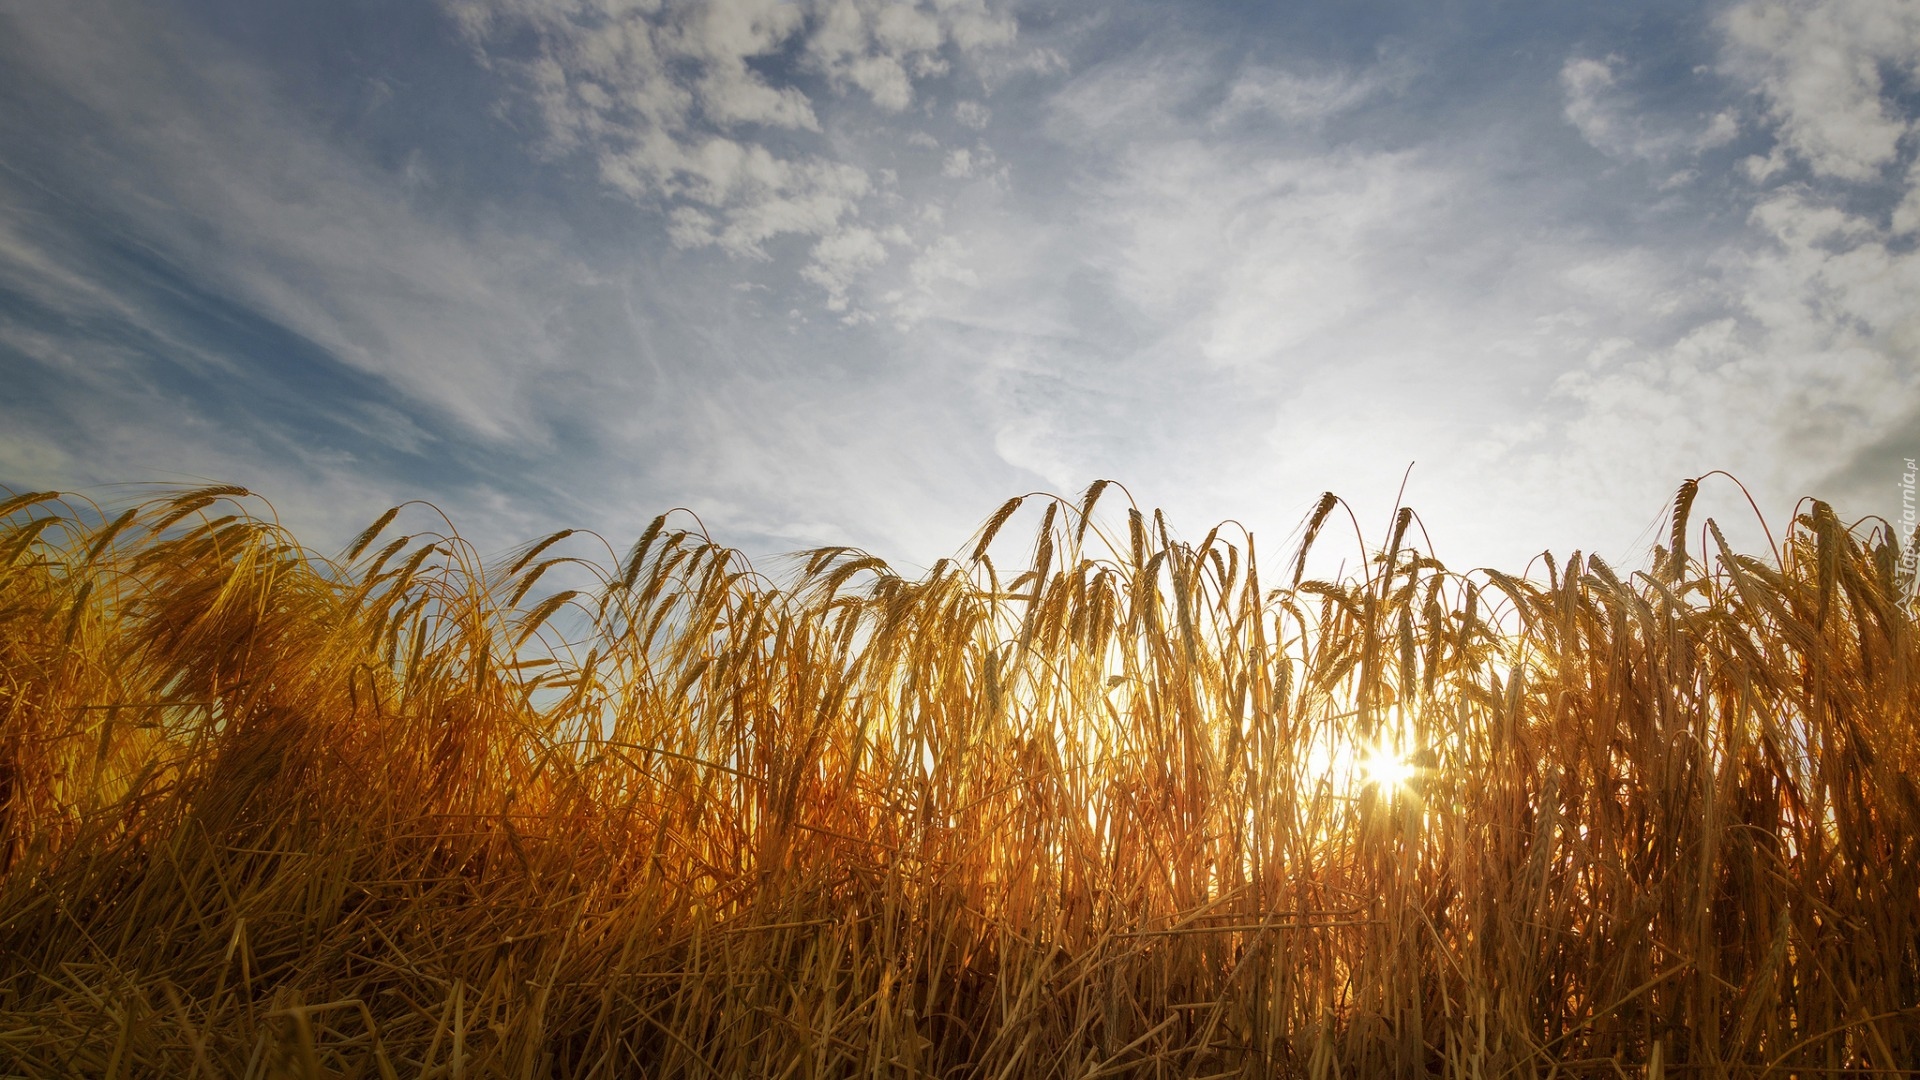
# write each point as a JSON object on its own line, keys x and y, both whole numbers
{"x": 203, "y": 285}
{"x": 1609, "y": 119}
{"x": 249, "y": 201}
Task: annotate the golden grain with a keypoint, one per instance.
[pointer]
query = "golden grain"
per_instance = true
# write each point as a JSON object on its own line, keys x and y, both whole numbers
{"x": 401, "y": 814}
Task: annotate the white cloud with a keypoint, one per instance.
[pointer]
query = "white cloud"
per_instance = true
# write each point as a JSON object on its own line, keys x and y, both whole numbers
{"x": 662, "y": 96}
{"x": 1819, "y": 65}
{"x": 1612, "y": 122}
{"x": 1223, "y": 320}
{"x": 1121, "y": 100}
{"x": 839, "y": 259}
{"x": 1031, "y": 442}
{"x": 1305, "y": 97}
{"x": 1906, "y": 216}
{"x": 967, "y": 164}
{"x": 1320, "y": 311}
{"x": 1588, "y": 84}
{"x": 1721, "y": 130}
{"x": 1818, "y": 358}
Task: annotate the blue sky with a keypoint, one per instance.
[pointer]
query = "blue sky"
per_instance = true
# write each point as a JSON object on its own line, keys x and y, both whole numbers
{"x": 845, "y": 271}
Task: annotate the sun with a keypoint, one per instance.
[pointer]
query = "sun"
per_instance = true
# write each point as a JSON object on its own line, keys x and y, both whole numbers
{"x": 1385, "y": 768}
{"x": 1351, "y": 769}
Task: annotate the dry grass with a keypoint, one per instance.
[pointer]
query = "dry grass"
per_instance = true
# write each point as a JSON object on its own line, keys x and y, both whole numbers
{"x": 399, "y": 814}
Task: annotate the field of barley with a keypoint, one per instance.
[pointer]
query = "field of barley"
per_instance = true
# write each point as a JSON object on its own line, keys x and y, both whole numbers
{"x": 1118, "y": 805}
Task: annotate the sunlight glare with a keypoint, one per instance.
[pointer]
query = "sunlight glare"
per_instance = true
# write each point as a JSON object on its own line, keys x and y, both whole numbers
{"x": 1386, "y": 768}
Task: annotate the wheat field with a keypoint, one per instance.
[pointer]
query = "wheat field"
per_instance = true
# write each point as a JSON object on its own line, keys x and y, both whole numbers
{"x": 1124, "y": 806}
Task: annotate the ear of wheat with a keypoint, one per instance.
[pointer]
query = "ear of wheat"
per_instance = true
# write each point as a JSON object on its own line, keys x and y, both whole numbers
{"x": 1126, "y": 810}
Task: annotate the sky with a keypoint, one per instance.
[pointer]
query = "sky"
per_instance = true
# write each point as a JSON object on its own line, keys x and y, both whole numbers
{"x": 855, "y": 271}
